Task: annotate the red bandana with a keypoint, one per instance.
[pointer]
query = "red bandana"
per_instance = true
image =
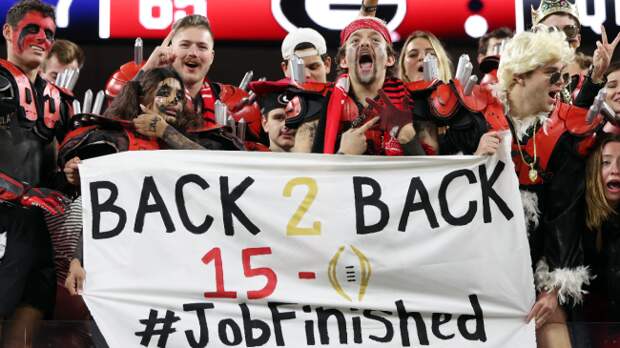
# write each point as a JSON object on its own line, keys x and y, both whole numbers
{"x": 365, "y": 23}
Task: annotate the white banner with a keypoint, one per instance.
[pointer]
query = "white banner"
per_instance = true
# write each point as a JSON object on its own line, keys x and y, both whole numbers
{"x": 218, "y": 249}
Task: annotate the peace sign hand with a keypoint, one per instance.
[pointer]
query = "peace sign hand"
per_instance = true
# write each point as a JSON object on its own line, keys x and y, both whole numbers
{"x": 162, "y": 55}
{"x": 602, "y": 56}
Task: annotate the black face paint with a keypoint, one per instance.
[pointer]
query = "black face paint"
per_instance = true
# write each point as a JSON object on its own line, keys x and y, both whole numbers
{"x": 164, "y": 91}
{"x": 30, "y": 29}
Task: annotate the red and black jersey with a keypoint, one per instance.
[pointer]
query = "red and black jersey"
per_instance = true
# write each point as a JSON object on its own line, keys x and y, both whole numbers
{"x": 31, "y": 116}
{"x": 380, "y": 142}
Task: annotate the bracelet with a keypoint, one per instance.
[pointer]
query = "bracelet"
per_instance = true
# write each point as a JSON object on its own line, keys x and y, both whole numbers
{"x": 368, "y": 8}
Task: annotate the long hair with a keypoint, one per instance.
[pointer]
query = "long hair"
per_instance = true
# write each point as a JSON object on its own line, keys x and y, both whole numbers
{"x": 598, "y": 208}
{"x": 126, "y": 105}
{"x": 444, "y": 62}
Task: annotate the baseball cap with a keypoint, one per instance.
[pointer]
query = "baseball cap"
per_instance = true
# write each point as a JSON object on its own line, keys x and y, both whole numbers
{"x": 303, "y": 35}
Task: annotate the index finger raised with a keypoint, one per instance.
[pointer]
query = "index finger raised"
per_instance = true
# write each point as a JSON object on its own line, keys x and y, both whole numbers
{"x": 366, "y": 126}
{"x": 167, "y": 40}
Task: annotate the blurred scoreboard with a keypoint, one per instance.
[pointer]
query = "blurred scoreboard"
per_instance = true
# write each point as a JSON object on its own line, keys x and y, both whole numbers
{"x": 270, "y": 20}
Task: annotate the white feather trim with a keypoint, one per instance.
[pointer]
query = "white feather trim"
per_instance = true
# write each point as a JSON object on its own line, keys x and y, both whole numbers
{"x": 530, "y": 208}
{"x": 568, "y": 281}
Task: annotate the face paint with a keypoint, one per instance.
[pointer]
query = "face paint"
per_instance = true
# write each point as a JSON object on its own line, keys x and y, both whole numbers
{"x": 34, "y": 30}
{"x": 169, "y": 99}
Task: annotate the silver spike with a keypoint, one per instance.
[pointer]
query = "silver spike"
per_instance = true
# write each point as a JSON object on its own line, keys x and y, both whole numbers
{"x": 469, "y": 86}
{"x": 596, "y": 107}
{"x": 241, "y": 129}
{"x": 138, "y": 49}
{"x": 76, "y": 107}
{"x": 232, "y": 124}
{"x": 67, "y": 82}
{"x": 246, "y": 80}
{"x": 58, "y": 78}
{"x": 469, "y": 68}
{"x": 426, "y": 68}
{"x": 463, "y": 60}
{"x": 435, "y": 68}
{"x": 98, "y": 103}
{"x": 63, "y": 78}
{"x": 609, "y": 113}
{"x": 88, "y": 101}
{"x": 221, "y": 113}
{"x": 298, "y": 69}
{"x": 74, "y": 78}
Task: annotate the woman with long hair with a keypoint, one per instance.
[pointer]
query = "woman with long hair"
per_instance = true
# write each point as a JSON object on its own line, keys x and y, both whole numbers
{"x": 410, "y": 67}
{"x": 156, "y": 105}
{"x": 150, "y": 113}
{"x": 416, "y": 47}
{"x": 602, "y": 239}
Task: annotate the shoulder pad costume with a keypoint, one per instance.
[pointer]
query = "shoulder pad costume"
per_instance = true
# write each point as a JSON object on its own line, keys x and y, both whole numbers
{"x": 31, "y": 116}
{"x": 95, "y": 135}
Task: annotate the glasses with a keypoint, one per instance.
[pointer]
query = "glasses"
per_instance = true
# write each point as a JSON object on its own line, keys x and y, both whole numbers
{"x": 571, "y": 31}
{"x": 557, "y": 76}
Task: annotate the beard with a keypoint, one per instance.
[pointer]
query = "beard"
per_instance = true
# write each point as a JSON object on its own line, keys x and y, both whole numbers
{"x": 366, "y": 79}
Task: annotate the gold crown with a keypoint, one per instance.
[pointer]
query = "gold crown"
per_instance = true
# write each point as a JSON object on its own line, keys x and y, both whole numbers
{"x": 549, "y": 7}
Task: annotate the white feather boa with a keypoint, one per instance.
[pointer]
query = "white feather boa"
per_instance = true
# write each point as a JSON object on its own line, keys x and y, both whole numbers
{"x": 530, "y": 209}
{"x": 568, "y": 281}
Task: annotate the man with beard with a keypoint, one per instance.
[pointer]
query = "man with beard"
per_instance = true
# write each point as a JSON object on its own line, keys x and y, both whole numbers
{"x": 310, "y": 46}
{"x": 367, "y": 60}
{"x": 32, "y": 114}
{"x": 191, "y": 54}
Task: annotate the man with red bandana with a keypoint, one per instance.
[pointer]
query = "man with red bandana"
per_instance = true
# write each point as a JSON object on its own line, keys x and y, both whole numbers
{"x": 32, "y": 114}
{"x": 368, "y": 85}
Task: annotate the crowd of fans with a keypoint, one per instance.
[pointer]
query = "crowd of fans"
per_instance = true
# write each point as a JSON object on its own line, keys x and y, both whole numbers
{"x": 559, "y": 105}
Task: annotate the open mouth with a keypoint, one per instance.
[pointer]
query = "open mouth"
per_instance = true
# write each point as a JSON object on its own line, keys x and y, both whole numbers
{"x": 191, "y": 64}
{"x": 365, "y": 61}
{"x": 37, "y": 49}
{"x": 421, "y": 69}
{"x": 555, "y": 95}
{"x": 613, "y": 186}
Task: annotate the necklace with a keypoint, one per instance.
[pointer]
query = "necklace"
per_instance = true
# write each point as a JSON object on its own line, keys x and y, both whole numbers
{"x": 532, "y": 173}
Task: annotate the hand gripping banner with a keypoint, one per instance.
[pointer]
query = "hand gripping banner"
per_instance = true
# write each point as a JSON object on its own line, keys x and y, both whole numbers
{"x": 219, "y": 249}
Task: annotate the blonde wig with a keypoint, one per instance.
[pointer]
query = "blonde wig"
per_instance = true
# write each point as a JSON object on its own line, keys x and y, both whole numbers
{"x": 445, "y": 65}
{"x": 530, "y": 50}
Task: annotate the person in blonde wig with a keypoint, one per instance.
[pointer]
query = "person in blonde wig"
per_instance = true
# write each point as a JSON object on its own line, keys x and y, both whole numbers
{"x": 416, "y": 47}
{"x": 532, "y": 74}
